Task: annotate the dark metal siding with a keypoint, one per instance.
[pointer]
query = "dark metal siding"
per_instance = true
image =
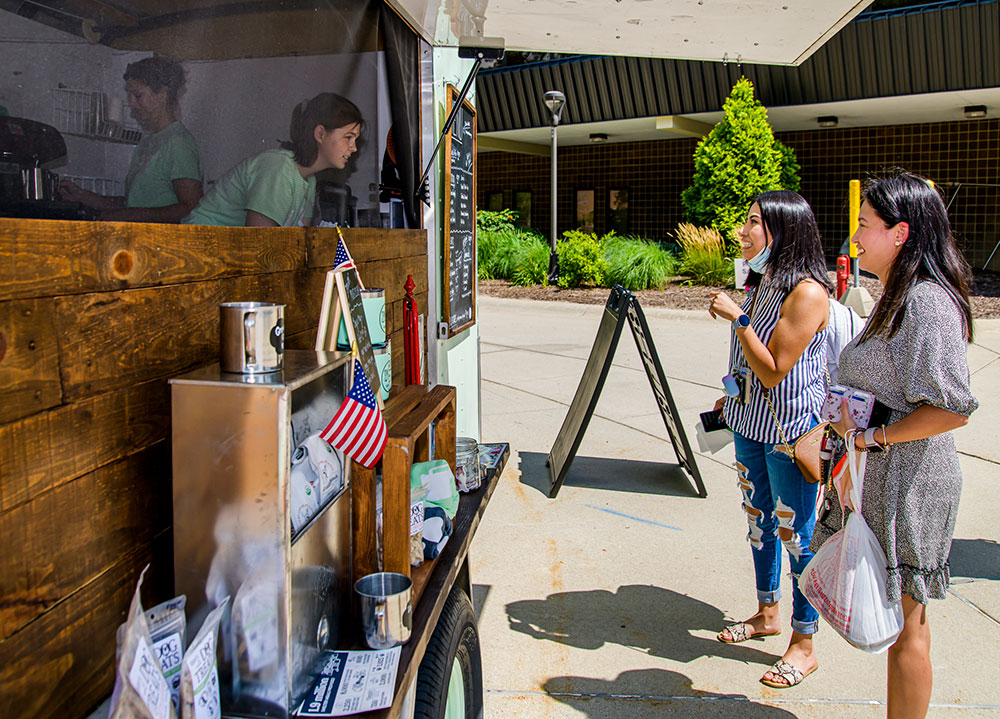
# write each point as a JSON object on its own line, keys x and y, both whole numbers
{"x": 948, "y": 46}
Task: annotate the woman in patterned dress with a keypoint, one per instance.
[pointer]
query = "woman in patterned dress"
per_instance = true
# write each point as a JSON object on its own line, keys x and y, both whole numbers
{"x": 779, "y": 347}
{"x": 912, "y": 357}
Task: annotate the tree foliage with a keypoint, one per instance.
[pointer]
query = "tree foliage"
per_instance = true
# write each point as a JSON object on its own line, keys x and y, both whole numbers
{"x": 737, "y": 160}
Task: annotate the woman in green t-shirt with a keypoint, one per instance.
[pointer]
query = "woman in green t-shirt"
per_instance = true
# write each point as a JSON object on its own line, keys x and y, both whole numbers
{"x": 164, "y": 176}
{"x": 277, "y": 188}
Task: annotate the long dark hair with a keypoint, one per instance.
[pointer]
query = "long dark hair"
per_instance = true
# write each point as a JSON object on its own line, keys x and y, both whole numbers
{"x": 929, "y": 253}
{"x": 156, "y": 73}
{"x": 796, "y": 249}
{"x": 327, "y": 109}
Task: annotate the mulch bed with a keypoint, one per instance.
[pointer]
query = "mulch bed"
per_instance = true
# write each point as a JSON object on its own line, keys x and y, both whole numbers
{"x": 985, "y": 298}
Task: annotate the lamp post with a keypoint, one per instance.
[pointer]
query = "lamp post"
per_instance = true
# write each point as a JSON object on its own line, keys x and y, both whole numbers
{"x": 554, "y": 101}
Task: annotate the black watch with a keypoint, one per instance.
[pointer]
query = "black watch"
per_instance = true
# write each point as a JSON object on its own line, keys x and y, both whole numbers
{"x": 741, "y": 322}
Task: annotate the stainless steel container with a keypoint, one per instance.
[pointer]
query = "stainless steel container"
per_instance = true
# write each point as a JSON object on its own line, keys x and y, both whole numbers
{"x": 385, "y": 609}
{"x": 234, "y": 437}
{"x": 251, "y": 337}
{"x": 39, "y": 184}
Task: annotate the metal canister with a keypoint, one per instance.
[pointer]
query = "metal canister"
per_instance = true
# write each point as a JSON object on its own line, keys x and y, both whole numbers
{"x": 373, "y": 300}
{"x": 251, "y": 337}
{"x": 383, "y": 363}
{"x": 467, "y": 469}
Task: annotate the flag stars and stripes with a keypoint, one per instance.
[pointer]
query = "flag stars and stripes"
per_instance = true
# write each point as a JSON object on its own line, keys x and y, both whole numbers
{"x": 342, "y": 260}
{"x": 358, "y": 427}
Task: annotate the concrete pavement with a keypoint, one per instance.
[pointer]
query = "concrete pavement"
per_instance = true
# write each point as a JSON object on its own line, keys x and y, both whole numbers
{"x": 605, "y": 601}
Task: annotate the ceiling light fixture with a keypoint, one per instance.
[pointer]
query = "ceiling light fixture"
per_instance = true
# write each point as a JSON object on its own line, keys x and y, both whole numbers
{"x": 975, "y": 111}
{"x": 827, "y": 121}
{"x": 598, "y": 137}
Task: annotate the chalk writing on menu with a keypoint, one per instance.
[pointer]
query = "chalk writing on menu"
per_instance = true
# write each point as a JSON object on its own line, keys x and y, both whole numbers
{"x": 356, "y": 309}
{"x": 462, "y": 218}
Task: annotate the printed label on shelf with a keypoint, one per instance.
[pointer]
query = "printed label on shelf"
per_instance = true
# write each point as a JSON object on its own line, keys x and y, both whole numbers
{"x": 352, "y": 682}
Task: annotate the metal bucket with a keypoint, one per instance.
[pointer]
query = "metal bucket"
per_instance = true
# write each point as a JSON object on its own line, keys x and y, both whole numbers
{"x": 251, "y": 337}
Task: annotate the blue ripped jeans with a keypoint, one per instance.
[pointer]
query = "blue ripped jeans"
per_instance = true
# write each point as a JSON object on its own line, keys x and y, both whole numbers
{"x": 777, "y": 501}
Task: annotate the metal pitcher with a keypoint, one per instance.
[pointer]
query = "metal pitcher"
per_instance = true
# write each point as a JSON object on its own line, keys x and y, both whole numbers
{"x": 251, "y": 337}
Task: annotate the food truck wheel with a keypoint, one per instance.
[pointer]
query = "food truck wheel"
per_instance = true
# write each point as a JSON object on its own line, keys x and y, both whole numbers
{"x": 450, "y": 678}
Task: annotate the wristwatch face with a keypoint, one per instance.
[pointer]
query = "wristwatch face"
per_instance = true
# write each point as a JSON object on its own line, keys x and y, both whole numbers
{"x": 741, "y": 321}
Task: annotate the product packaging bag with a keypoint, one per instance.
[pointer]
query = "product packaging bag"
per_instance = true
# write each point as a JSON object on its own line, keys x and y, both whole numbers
{"x": 141, "y": 691}
{"x": 846, "y": 580}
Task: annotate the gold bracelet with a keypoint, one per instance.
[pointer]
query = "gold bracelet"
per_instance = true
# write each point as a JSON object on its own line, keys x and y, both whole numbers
{"x": 885, "y": 441}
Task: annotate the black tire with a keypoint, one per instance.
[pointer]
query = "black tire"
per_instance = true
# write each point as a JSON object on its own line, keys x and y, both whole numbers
{"x": 455, "y": 637}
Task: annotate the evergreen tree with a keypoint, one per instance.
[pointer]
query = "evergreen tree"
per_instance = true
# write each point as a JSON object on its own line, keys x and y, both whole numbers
{"x": 737, "y": 160}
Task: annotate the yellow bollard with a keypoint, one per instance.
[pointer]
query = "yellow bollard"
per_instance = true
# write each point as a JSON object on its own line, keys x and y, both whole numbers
{"x": 854, "y": 207}
{"x": 856, "y": 297}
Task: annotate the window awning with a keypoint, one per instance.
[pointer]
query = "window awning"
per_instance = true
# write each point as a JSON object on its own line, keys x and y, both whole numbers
{"x": 776, "y": 32}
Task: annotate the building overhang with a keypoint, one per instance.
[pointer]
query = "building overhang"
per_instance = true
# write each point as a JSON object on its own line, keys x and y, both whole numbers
{"x": 871, "y": 112}
{"x": 775, "y": 33}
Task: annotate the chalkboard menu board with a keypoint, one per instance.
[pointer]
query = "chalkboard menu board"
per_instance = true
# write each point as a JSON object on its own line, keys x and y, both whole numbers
{"x": 349, "y": 288}
{"x": 460, "y": 219}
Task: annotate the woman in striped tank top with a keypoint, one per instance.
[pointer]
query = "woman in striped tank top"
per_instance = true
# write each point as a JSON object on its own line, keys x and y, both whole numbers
{"x": 779, "y": 350}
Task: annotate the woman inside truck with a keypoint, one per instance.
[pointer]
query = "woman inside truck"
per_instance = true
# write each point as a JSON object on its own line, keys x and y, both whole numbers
{"x": 164, "y": 176}
{"x": 277, "y": 188}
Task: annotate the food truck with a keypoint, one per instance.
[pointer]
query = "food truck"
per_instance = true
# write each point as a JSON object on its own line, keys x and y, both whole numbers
{"x": 107, "y": 467}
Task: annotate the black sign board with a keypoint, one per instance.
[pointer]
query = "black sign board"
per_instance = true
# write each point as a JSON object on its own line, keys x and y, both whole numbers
{"x": 459, "y": 270}
{"x": 349, "y": 288}
{"x": 621, "y": 306}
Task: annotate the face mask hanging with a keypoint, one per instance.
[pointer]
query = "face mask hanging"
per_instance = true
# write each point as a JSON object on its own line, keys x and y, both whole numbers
{"x": 759, "y": 261}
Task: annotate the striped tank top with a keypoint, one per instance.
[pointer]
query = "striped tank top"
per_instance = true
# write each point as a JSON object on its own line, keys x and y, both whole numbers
{"x": 797, "y": 399}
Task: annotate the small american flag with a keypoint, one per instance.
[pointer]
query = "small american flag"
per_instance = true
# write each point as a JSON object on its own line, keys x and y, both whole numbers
{"x": 342, "y": 260}
{"x": 358, "y": 428}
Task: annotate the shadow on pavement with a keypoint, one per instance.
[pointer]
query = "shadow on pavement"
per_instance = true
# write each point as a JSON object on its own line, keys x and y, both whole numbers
{"x": 975, "y": 558}
{"x": 622, "y": 475}
{"x": 653, "y": 692}
{"x": 657, "y": 621}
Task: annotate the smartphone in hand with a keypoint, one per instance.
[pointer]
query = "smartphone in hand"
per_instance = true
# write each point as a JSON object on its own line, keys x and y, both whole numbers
{"x": 713, "y": 420}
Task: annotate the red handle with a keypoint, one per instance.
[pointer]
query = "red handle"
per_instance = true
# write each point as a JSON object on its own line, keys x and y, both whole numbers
{"x": 411, "y": 334}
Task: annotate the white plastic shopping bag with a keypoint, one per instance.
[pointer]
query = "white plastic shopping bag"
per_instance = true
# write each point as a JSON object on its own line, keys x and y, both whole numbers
{"x": 846, "y": 580}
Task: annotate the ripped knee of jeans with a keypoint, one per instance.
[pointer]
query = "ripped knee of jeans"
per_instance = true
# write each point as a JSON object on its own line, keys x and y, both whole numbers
{"x": 791, "y": 540}
{"x": 756, "y": 532}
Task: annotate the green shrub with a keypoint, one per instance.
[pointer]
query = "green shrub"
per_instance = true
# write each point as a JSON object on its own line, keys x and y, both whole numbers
{"x": 508, "y": 253}
{"x": 790, "y": 167}
{"x": 704, "y": 259}
{"x": 487, "y": 221}
{"x": 636, "y": 263}
{"x": 581, "y": 259}
{"x": 530, "y": 261}
{"x": 736, "y": 161}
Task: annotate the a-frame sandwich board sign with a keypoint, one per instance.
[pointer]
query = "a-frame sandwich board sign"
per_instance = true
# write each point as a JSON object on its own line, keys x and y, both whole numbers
{"x": 622, "y": 306}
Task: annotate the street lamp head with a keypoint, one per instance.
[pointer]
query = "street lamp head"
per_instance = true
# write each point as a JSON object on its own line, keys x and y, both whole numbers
{"x": 554, "y": 101}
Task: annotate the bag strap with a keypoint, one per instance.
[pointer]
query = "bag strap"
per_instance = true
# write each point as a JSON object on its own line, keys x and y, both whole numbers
{"x": 767, "y": 393}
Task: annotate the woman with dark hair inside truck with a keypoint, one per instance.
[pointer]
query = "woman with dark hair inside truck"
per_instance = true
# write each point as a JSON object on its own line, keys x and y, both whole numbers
{"x": 277, "y": 188}
{"x": 164, "y": 176}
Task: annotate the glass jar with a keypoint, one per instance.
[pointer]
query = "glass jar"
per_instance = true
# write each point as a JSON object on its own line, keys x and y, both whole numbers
{"x": 467, "y": 470}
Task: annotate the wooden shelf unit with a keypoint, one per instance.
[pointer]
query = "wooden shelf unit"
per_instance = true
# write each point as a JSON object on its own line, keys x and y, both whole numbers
{"x": 408, "y": 417}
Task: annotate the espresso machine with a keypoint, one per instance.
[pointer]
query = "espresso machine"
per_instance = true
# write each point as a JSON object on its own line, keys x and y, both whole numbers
{"x": 28, "y": 186}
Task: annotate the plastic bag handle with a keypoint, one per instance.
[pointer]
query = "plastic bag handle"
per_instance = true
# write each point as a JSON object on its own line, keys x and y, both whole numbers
{"x": 857, "y": 462}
